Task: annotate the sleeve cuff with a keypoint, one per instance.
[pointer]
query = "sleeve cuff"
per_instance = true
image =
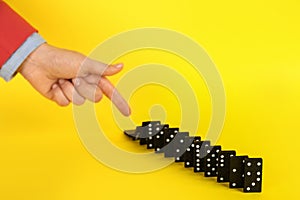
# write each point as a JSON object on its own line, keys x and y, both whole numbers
{"x": 11, "y": 66}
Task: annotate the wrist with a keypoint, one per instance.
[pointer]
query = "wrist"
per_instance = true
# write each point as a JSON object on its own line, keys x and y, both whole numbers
{"x": 37, "y": 58}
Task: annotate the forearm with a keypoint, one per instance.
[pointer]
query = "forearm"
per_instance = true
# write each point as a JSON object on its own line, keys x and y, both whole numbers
{"x": 17, "y": 40}
{"x": 11, "y": 66}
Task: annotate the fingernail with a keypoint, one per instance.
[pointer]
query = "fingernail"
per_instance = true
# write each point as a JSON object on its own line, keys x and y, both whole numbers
{"x": 77, "y": 81}
{"x": 61, "y": 81}
{"x": 54, "y": 86}
{"x": 128, "y": 112}
{"x": 119, "y": 66}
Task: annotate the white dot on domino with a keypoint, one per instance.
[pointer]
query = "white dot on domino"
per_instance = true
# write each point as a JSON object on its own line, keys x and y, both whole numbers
{"x": 258, "y": 179}
{"x": 258, "y": 173}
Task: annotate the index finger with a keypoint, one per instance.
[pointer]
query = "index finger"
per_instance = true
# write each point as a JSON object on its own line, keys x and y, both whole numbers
{"x": 90, "y": 66}
{"x": 112, "y": 93}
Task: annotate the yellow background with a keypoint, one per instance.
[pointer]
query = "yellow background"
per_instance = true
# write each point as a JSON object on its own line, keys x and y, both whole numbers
{"x": 256, "y": 47}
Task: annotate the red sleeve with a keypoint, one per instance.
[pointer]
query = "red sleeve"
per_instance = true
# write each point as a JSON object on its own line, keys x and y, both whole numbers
{"x": 14, "y": 30}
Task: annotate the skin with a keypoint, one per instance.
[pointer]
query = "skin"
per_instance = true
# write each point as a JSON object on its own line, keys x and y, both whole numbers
{"x": 66, "y": 77}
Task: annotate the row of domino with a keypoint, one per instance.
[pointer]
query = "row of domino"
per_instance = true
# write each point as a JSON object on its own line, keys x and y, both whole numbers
{"x": 239, "y": 171}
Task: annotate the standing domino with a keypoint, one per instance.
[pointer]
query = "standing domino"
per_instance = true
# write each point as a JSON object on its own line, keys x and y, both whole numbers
{"x": 253, "y": 174}
{"x": 159, "y": 138}
{"x": 147, "y": 131}
{"x": 200, "y": 152}
{"x": 224, "y": 165}
{"x": 180, "y": 146}
{"x": 189, "y": 154}
{"x": 211, "y": 162}
{"x": 169, "y": 137}
{"x": 236, "y": 173}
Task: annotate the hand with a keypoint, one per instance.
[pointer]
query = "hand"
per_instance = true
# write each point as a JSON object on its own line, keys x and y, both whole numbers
{"x": 65, "y": 76}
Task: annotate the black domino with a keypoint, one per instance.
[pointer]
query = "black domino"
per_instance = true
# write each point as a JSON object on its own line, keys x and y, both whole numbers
{"x": 159, "y": 138}
{"x": 211, "y": 162}
{"x": 224, "y": 165}
{"x": 155, "y": 131}
{"x": 179, "y": 146}
{"x": 147, "y": 131}
{"x": 236, "y": 171}
{"x": 200, "y": 151}
{"x": 131, "y": 134}
{"x": 253, "y": 174}
{"x": 169, "y": 137}
{"x": 189, "y": 154}
{"x": 196, "y": 162}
